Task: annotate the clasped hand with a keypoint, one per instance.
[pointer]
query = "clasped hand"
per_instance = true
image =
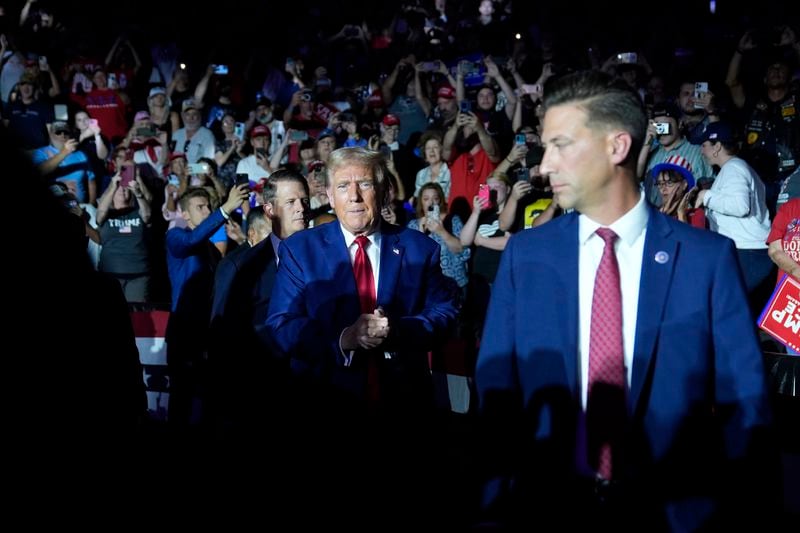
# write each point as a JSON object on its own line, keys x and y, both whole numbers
{"x": 368, "y": 332}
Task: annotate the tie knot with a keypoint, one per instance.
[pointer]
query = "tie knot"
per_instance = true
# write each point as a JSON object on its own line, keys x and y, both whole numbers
{"x": 607, "y": 234}
{"x": 362, "y": 241}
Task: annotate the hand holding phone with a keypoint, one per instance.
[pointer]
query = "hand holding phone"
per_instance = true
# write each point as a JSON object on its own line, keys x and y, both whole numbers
{"x": 484, "y": 193}
{"x": 127, "y": 174}
{"x": 433, "y": 212}
{"x": 700, "y": 91}
{"x": 238, "y": 131}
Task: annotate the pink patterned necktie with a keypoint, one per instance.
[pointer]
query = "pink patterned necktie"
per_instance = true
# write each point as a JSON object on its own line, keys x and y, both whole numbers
{"x": 365, "y": 283}
{"x": 605, "y": 407}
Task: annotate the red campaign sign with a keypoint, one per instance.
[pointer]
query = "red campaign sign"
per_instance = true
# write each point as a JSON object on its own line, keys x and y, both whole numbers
{"x": 781, "y": 317}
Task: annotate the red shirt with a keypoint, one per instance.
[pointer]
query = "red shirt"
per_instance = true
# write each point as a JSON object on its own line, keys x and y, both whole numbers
{"x": 467, "y": 172}
{"x": 786, "y": 227}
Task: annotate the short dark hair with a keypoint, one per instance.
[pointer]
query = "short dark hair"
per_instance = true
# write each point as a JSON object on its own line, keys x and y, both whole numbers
{"x": 283, "y": 175}
{"x": 193, "y": 192}
{"x": 255, "y": 217}
{"x": 608, "y": 102}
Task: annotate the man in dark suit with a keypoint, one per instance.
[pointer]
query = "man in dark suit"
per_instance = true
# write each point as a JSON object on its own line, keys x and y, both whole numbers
{"x": 356, "y": 306}
{"x": 637, "y": 399}
{"x": 248, "y": 380}
{"x": 191, "y": 261}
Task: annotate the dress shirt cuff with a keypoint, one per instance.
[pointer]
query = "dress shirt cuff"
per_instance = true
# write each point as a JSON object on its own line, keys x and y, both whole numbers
{"x": 225, "y": 215}
{"x": 347, "y": 357}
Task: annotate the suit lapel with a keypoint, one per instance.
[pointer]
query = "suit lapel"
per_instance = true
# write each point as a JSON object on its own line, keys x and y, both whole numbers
{"x": 658, "y": 263}
{"x": 343, "y": 281}
{"x": 566, "y": 261}
{"x": 391, "y": 260}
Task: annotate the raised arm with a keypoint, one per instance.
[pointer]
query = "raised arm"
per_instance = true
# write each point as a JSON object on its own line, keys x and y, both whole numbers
{"x": 494, "y": 72}
{"x": 746, "y": 43}
{"x": 422, "y": 100}
{"x": 202, "y": 86}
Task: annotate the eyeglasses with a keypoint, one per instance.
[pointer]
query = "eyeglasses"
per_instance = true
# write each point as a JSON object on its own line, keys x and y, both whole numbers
{"x": 666, "y": 183}
{"x": 61, "y": 132}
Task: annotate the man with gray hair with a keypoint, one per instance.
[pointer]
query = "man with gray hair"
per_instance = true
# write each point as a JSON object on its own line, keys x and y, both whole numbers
{"x": 356, "y": 307}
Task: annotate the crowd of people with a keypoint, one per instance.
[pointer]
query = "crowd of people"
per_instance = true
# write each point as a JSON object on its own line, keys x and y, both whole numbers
{"x": 332, "y": 218}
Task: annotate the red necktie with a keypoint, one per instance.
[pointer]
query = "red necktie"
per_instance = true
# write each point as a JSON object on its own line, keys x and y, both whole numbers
{"x": 365, "y": 283}
{"x": 605, "y": 407}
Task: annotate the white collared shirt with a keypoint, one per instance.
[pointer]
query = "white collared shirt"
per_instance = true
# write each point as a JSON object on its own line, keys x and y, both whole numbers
{"x": 373, "y": 252}
{"x": 631, "y": 229}
{"x": 374, "y": 255}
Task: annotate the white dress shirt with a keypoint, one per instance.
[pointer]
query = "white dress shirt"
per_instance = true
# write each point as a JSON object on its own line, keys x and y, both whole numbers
{"x": 631, "y": 229}
{"x": 374, "y": 255}
{"x": 373, "y": 252}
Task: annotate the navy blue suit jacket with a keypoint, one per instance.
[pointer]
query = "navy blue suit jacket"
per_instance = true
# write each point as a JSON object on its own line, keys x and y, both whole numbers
{"x": 697, "y": 400}
{"x": 247, "y": 382}
{"x": 315, "y": 299}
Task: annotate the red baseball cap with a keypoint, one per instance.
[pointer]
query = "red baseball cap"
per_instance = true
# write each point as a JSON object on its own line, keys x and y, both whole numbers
{"x": 390, "y": 120}
{"x": 260, "y": 131}
{"x": 375, "y": 99}
{"x": 446, "y": 92}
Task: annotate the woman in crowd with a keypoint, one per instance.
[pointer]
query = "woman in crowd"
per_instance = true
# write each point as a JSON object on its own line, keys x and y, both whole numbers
{"x": 437, "y": 170}
{"x": 433, "y": 220}
{"x": 675, "y": 181}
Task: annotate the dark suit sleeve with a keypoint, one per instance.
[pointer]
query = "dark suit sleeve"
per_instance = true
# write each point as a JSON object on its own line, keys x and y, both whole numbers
{"x": 223, "y": 280}
{"x": 741, "y": 399}
{"x": 501, "y": 420}
{"x": 294, "y": 333}
{"x": 432, "y": 325}
{"x": 181, "y": 243}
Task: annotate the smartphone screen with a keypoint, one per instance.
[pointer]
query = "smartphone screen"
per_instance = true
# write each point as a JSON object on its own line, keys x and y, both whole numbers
{"x": 298, "y": 135}
{"x": 93, "y": 123}
{"x": 465, "y": 106}
{"x": 238, "y": 130}
{"x": 483, "y": 192}
{"x": 221, "y": 69}
{"x": 198, "y": 168}
{"x": 242, "y": 179}
{"x": 60, "y": 112}
{"x": 520, "y": 139}
{"x": 700, "y": 90}
{"x": 127, "y": 172}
